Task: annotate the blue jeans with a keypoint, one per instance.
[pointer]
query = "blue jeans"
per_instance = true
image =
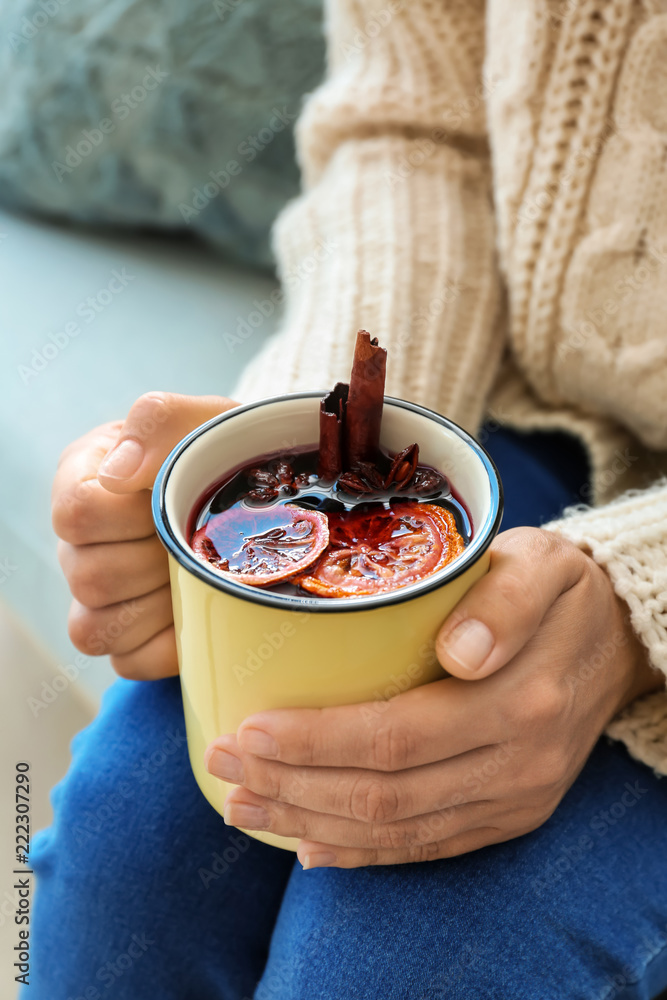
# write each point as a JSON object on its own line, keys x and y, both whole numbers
{"x": 144, "y": 894}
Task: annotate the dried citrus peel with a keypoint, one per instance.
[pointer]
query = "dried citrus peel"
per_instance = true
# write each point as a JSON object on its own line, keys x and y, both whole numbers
{"x": 290, "y": 539}
{"x": 377, "y": 552}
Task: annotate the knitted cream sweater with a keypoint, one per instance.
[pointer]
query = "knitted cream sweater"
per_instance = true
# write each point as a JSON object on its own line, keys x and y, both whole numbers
{"x": 485, "y": 189}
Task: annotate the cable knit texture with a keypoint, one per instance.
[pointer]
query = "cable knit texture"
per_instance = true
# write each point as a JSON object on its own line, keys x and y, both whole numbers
{"x": 485, "y": 189}
{"x": 395, "y": 224}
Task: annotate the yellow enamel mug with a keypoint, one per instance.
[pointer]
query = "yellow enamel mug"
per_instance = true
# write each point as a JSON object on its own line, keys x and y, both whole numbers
{"x": 242, "y": 649}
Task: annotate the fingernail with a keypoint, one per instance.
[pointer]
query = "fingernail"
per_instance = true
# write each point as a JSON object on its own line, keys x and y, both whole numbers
{"x": 123, "y": 461}
{"x": 469, "y": 644}
{"x": 250, "y": 817}
{"x": 258, "y": 742}
{"x": 225, "y": 765}
{"x": 319, "y": 859}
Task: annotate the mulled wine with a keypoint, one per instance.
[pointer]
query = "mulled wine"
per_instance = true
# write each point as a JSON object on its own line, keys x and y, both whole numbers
{"x": 340, "y": 519}
{"x": 249, "y": 523}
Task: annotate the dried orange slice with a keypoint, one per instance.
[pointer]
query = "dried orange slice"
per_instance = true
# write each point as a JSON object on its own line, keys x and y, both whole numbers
{"x": 372, "y": 552}
{"x": 262, "y": 547}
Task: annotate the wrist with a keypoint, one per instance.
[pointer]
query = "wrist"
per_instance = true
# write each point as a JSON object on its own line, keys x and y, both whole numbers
{"x": 641, "y": 678}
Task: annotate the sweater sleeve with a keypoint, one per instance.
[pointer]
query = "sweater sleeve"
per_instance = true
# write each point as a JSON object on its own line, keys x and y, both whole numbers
{"x": 628, "y": 538}
{"x": 394, "y": 229}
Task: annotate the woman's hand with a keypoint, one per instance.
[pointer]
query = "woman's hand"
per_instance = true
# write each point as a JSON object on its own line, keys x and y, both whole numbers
{"x": 115, "y": 565}
{"x": 543, "y": 657}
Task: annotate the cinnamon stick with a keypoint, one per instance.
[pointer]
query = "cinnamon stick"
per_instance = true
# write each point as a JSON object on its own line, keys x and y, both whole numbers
{"x": 332, "y": 424}
{"x": 363, "y": 410}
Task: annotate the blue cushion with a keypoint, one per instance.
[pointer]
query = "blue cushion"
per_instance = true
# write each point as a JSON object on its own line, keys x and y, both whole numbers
{"x": 168, "y": 115}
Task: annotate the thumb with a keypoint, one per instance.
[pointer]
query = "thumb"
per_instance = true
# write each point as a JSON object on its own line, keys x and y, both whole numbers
{"x": 529, "y": 571}
{"x": 156, "y": 422}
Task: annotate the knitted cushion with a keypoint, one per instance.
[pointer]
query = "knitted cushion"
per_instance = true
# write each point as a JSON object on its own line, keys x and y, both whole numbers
{"x": 168, "y": 115}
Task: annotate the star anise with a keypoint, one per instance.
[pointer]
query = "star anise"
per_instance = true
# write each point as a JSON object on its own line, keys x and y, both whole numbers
{"x": 402, "y": 468}
{"x": 370, "y": 474}
{"x": 353, "y": 483}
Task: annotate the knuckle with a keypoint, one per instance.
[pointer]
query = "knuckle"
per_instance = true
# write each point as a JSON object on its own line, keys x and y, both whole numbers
{"x": 373, "y": 801}
{"x": 98, "y": 631}
{"x": 531, "y": 780}
{"x": 543, "y": 776}
{"x": 388, "y": 836}
{"x": 546, "y": 543}
{"x": 429, "y": 851}
{"x": 555, "y": 768}
{"x": 152, "y": 409}
{"x": 274, "y": 785}
{"x": 527, "y": 541}
{"x": 81, "y": 626}
{"x": 88, "y": 582}
{"x": 592, "y": 578}
{"x": 371, "y": 857}
{"x": 536, "y": 821}
{"x": 432, "y": 828}
{"x": 392, "y": 747}
{"x": 128, "y": 667}
{"x": 300, "y": 786}
{"x": 71, "y": 512}
{"x": 537, "y": 705}
{"x": 546, "y": 701}
{"x": 515, "y": 591}
{"x": 313, "y": 746}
